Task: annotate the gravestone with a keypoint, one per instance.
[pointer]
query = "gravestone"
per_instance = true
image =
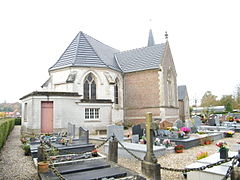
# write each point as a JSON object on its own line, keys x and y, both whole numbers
{"x": 115, "y": 130}
{"x": 211, "y": 121}
{"x": 83, "y": 136}
{"x": 137, "y": 130}
{"x": 194, "y": 129}
{"x": 217, "y": 121}
{"x": 71, "y": 130}
{"x": 179, "y": 123}
{"x": 189, "y": 123}
{"x": 135, "y": 138}
{"x": 197, "y": 121}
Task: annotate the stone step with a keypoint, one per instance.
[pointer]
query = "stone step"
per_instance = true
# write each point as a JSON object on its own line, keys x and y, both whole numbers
{"x": 82, "y": 166}
{"x": 96, "y": 174}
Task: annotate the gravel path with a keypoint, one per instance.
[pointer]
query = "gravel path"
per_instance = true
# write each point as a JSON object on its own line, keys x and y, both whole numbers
{"x": 13, "y": 164}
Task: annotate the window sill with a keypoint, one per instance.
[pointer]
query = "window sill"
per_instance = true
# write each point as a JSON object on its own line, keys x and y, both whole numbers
{"x": 92, "y": 120}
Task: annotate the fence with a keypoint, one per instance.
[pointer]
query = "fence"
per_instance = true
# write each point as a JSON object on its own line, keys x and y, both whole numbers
{"x": 229, "y": 172}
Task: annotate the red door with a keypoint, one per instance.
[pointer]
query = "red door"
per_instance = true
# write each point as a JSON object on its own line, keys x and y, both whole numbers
{"x": 46, "y": 116}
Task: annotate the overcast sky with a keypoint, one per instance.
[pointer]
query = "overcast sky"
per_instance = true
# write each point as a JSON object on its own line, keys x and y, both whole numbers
{"x": 204, "y": 38}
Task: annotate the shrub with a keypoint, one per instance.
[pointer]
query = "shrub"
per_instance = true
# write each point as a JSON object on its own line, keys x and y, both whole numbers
{"x": 6, "y": 126}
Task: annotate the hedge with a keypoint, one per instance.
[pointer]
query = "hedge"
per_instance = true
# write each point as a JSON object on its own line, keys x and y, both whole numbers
{"x": 6, "y": 126}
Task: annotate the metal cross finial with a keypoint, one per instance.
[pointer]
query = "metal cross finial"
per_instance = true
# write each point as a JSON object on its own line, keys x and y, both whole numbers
{"x": 166, "y": 35}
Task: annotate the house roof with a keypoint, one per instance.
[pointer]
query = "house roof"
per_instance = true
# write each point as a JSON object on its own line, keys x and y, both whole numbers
{"x": 50, "y": 93}
{"x": 86, "y": 51}
{"x": 141, "y": 59}
{"x": 182, "y": 92}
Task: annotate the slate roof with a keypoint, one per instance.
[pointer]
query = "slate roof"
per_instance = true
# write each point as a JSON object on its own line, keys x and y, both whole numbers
{"x": 141, "y": 59}
{"x": 86, "y": 51}
{"x": 182, "y": 92}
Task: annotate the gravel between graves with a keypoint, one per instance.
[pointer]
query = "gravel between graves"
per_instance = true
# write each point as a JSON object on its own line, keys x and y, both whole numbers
{"x": 13, "y": 164}
{"x": 177, "y": 160}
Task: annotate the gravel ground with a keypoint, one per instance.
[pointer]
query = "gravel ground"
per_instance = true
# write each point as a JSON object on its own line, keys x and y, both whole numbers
{"x": 13, "y": 163}
{"x": 178, "y": 160}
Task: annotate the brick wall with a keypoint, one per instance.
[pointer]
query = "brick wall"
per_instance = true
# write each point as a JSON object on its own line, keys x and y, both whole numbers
{"x": 141, "y": 94}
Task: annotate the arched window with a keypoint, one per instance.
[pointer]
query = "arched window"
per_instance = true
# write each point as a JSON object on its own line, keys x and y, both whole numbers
{"x": 89, "y": 87}
{"x": 116, "y": 91}
{"x": 169, "y": 87}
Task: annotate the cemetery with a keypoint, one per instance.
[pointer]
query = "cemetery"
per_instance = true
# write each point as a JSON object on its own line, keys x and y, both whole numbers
{"x": 72, "y": 154}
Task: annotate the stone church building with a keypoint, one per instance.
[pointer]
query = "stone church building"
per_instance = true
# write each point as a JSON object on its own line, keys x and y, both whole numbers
{"x": 93, "y": 85}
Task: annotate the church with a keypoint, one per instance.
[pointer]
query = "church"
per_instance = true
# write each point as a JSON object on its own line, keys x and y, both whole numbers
{"x": 93, "y": 85}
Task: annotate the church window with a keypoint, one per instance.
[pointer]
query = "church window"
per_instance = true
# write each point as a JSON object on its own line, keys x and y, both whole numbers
{"x": 116, "y": 92}
{"x": 91, "y": 113}
{"x": 89, "y": 87}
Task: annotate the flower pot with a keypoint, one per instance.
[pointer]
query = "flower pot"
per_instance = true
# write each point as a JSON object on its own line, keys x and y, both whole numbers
{"x": 179, "y": 150}
{"x": 43, "y": 167}
{"x": 223, "y": 153}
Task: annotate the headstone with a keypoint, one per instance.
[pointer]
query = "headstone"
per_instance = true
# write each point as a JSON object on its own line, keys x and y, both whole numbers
{"x": 217, "y": 121}
{"x": 211, "y": 121}
{"x": 83, "y": 136}
{"x": 189, "y": 123}
{"x": 194, "y": 129}
{"x": 71, "y": 130}
{"x": 179, "y": 123}
{"x": 135, "y": 138}
{"x": 197, "y": 121}
{"x": 137, "y": 130}
{"x": 116, "y": 130}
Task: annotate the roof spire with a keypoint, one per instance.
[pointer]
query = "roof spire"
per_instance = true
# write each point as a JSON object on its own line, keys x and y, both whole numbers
{"x": 166, "y": 35}
{"x": 150, "y": 39}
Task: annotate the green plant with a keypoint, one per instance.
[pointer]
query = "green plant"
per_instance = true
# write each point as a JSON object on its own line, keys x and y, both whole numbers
{"x": 53, "y": 151}
{"x": 26, "y": 148}
{"x": 6, "y": 126}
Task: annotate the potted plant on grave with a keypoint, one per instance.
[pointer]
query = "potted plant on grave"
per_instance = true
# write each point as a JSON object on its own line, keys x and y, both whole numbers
{"x": 207, "y": 141}
{"x": 201, "y": 155}
{"x": 179, "y": 148}
{"x": 167, "y": 143}
{"x": 26, "y": 148}
{"x": 223, "y": 149}
{"x": 94, "y": 152}
{"x": 180, "y": 134}
{"x": 229, "y": 134}
{"x": 186, "y": 130}
{"x": 43, "y": 166}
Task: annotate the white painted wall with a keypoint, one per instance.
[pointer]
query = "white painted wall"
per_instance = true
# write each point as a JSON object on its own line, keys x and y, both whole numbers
{"x": 68, "y": 109}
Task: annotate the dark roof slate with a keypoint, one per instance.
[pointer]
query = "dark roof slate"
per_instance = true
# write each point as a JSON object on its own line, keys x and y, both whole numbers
{"x": 141, "y": 59}
{"x": 182, "y": 92}
{"x": 86, "y": 51}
